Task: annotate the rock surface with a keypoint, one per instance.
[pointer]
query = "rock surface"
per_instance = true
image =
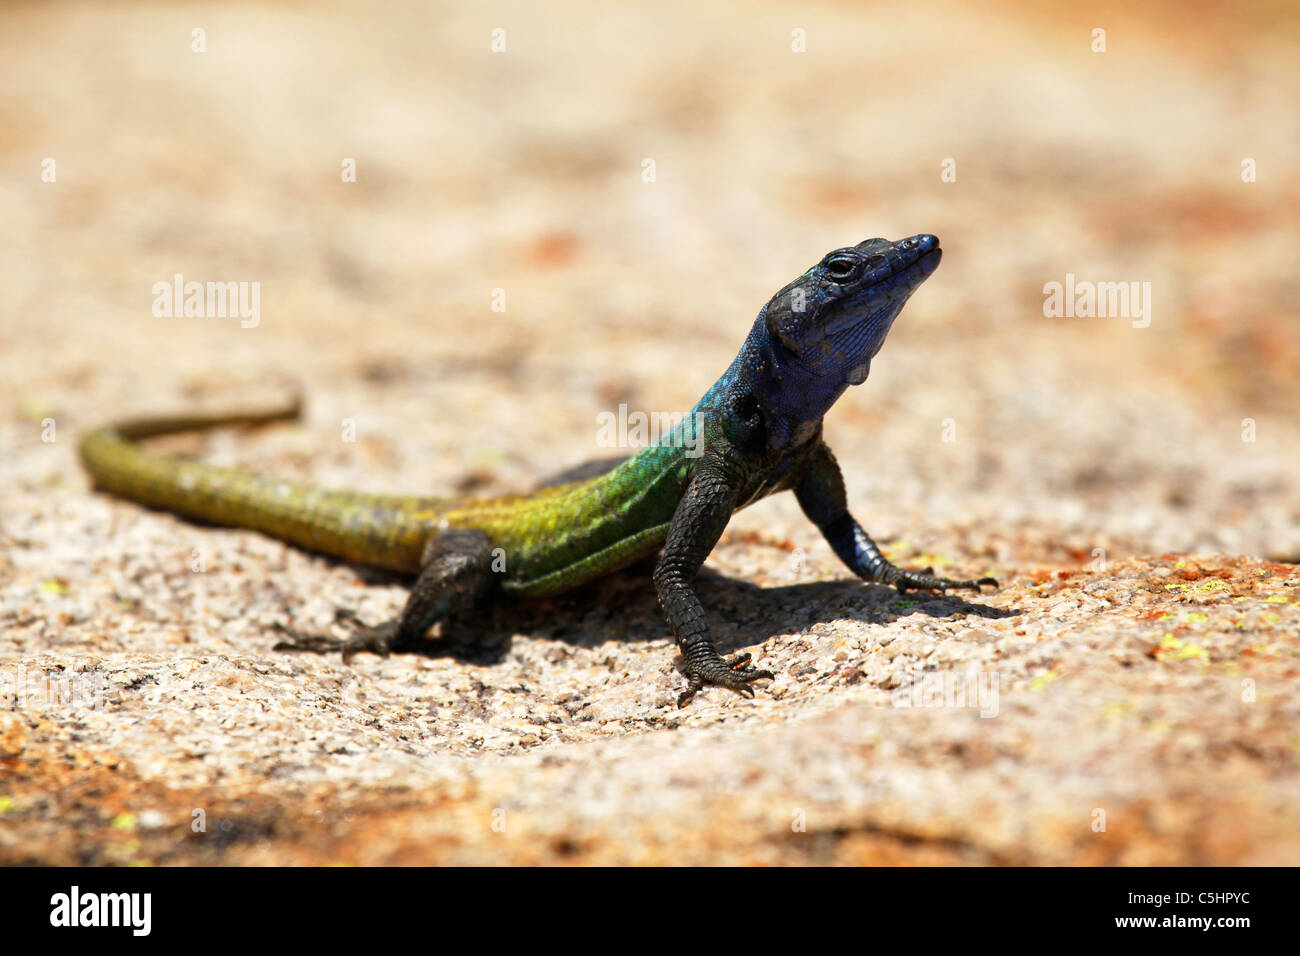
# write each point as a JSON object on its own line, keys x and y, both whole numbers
{"x": 1129, "y": 696}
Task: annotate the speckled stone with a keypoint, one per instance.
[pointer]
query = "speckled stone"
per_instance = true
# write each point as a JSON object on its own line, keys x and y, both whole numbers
{"x": 1128, "y": 697}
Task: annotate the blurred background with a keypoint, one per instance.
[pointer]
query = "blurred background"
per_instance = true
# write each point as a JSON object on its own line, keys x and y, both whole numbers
{"x": 523, "y": 170}
{"x": 504, "y": 146}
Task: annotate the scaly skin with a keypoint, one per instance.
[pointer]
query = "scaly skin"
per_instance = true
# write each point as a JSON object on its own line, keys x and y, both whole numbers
{"x": 761, "y": 433}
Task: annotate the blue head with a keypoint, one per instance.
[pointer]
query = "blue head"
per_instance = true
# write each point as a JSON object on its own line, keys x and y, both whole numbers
{"x": 818, "y": 335}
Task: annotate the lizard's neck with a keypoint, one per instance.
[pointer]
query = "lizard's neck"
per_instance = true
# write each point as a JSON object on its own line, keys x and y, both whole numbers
{"x": 792, "y": 398}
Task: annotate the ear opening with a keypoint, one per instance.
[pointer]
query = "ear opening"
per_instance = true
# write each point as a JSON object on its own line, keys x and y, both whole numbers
{"x": 771, "y": 318}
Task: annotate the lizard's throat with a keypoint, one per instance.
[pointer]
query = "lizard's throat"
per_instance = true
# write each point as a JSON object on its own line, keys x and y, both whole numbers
{"x": 858, "y": 374}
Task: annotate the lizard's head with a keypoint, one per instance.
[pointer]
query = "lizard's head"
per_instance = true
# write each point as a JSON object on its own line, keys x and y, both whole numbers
{"x": 833, "y": 319}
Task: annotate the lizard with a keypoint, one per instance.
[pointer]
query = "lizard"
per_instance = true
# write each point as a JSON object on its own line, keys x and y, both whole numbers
{"x": 757, "y": 431}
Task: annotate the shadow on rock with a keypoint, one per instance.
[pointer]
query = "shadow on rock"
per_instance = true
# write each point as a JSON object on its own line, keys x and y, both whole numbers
{"x": 623, "y": 607}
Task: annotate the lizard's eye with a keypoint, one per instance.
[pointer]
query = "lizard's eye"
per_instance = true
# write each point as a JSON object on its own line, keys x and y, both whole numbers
{"x": 841, "y": 268}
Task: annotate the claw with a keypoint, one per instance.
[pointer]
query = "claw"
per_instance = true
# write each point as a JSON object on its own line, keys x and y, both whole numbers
{"x": 297, "y": 641}
{"x": 734, "y": 674}
{"x": 345, "y": 615}
{"x": 375, "y": 640}
{"x": 691, "y": 689}
{"x": 926, "y": 581}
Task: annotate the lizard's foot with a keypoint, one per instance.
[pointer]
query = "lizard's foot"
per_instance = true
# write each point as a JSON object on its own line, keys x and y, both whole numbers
{"x": 714, "y": 669}
{"x": 375, "y": 639}
{"x": 926, "y": 581}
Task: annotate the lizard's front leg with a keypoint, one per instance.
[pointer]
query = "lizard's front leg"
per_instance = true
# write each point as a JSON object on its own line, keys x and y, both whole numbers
{"x": 821, "y": 495}
{"x": 456, "y": 574}
{"x": 699, "y": 521}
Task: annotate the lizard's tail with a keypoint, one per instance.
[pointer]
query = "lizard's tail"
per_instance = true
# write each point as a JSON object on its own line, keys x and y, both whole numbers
{"x": 153, "y": 427}
{"x": 117, "y": 465}
{"x": 369, "y": 529}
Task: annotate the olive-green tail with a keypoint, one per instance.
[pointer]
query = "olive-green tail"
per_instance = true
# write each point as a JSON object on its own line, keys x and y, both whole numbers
{"x": 379, "y": 530}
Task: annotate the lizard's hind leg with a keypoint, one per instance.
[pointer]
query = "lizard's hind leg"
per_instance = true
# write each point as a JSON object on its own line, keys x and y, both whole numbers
{"x": 456, "y": 574}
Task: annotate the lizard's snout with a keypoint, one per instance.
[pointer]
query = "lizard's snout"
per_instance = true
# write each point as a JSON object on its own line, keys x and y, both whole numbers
{"x": 918, "y": 256}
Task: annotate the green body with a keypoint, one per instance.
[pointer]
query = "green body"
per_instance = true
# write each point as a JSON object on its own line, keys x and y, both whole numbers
{"x": 553, "y": 539}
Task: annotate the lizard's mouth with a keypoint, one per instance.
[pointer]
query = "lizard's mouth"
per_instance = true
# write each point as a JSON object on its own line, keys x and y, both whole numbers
{"x": 907, "y": 264}
{"x": 929, "y": 261}
{"x": 910, "y": 263}
{"x": 908, "y": 270}
{"x": 931, "y": 258}
{"x": 918, "y": 261}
